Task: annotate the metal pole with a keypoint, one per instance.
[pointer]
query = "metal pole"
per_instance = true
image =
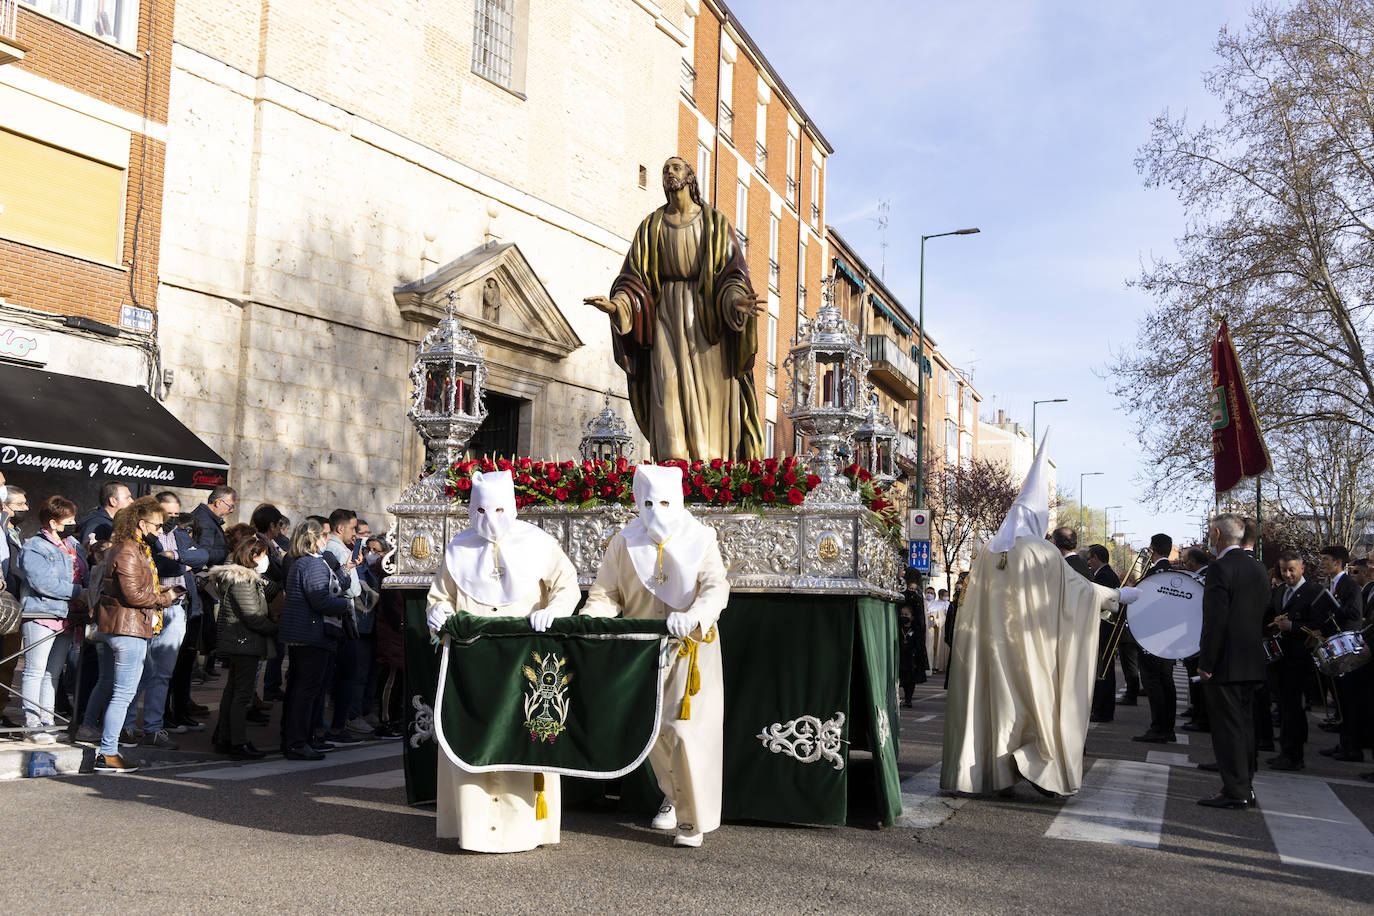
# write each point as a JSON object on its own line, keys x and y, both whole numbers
{"x": 1259, "y": 523}
{"x": 921, "y": 382}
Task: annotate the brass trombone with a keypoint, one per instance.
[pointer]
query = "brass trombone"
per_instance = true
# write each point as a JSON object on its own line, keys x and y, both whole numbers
{"x": 1118, "y": 622}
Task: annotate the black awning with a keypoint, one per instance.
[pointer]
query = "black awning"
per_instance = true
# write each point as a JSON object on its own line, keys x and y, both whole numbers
{"x": 51, "y": 422}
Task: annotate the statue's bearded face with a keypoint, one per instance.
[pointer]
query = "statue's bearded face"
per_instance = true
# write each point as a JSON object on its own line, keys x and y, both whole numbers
{"x": 677, "y": 174}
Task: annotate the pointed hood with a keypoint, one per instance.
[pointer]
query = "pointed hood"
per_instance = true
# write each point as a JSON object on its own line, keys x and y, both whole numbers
{"x": 1030, "y": 514}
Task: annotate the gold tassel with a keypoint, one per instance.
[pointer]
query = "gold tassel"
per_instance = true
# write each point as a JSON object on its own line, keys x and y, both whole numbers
{"x": 1002, "y": 563}
{"x": 688, "y": 649}
{"x": 541, "y": 807}
{"x": 685, "y": 710}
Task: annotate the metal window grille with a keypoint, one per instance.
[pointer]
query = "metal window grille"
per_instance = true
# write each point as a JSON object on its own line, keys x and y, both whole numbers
{"x": 761, "y": 157}
{"x": 727, "y": 122}
{"x": 493, "y": 41}
{"x": 772, "y": 275}
{"x": 689, "y": 79}
{"x": 791, "y": 190}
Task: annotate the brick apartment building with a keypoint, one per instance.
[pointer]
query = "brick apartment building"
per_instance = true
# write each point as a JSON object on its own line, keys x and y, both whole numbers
{"x": 83, "y": 130}
{"x": 761, "y": 161}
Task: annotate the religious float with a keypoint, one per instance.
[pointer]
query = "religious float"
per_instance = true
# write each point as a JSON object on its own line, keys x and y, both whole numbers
{"x": 808, "y": 638}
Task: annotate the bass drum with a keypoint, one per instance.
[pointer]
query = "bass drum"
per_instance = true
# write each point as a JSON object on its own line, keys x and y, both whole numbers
{"x": 1166, "y": 620}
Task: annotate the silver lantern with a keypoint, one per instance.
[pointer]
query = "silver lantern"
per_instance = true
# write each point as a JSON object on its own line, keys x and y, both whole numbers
{"x": 875, "y": 443}
{"x": 447, "y": 403}
{"x": 605, "y": 436}
{"x": 827, "y": 368}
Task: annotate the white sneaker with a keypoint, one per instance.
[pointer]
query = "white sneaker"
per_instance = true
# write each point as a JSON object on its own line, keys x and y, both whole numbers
{"x": 666, "y": 819}
{"x": 687, "y": 839}
{"x": 359, "y": 726}
{"x": 43, "y": 738}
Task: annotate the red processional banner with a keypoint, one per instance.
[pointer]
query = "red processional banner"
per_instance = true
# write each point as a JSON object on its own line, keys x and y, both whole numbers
{"x": 1237, "y": 447}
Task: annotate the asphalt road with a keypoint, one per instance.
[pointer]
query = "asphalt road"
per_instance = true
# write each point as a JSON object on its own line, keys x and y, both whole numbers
{"x": 195, "y": 834}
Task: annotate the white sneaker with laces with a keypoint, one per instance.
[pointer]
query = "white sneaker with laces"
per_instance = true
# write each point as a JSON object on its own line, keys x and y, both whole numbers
{"x": 43, "y": 738}
{"x": 685, "y": 836}
{"x": 666, "y": 819}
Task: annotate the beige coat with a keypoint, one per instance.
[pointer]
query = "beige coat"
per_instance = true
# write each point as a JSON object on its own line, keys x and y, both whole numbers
{"x": 494, "y": 812}
{"x": 688, "y": 756}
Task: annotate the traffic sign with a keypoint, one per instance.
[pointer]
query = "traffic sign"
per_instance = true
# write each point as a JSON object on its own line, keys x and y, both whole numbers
{"x": 918, "y": 524}
{"x": 918, "y": 556}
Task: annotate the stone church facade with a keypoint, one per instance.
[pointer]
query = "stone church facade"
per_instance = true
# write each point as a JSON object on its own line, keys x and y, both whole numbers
{"x": 336, "y": 170}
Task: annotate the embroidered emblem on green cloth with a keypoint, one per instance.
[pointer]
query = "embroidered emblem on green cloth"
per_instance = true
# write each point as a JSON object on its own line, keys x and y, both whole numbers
{"x": 546, "y": 702}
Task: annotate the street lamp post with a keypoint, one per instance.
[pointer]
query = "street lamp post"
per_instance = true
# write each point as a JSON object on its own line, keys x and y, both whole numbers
{"x": 1110, "y": 527}
{"x": 921, "y": 368}
{"x": 1034, "y": 404}
{"x": 1080, "y": 494}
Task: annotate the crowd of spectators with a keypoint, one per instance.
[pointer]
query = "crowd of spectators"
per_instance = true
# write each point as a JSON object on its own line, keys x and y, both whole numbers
{"x": 125, "y": 610}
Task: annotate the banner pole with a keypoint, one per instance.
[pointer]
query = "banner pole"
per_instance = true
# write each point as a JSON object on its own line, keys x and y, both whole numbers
{"x": 1259, "y": 521}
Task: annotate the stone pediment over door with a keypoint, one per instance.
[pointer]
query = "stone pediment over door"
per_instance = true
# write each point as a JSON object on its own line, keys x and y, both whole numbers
{"x": 499, "y": 299}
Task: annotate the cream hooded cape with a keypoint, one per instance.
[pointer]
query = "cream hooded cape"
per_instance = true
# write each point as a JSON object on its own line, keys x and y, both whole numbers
{"x": 1023, "y": 659}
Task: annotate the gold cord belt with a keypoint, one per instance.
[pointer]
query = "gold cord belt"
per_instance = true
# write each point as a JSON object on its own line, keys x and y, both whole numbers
{"x": 688, "y": 650}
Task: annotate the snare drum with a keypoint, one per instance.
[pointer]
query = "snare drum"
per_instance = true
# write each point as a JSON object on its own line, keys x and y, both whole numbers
{"x": 1273, "y": 649}
{"x": 1340, "y": 654}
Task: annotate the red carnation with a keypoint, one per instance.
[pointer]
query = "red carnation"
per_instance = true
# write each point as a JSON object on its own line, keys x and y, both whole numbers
{"x": 622, "y": 465}
{"x": 607, "y": 490}
{"x": 725, "y": 481}
{"x": 812, "y": 481}
{"x": 795, "y": 496}
{"x": 769, "y": 480}
{"x": 708, "y": 492}
{"x": 587, "y": 493}
{"x": 503, "y": 465}
{"x": 696, "y": 466}
{"x": 716, "y": 463}
{"x": 756, "y": 467}
{"x": 768, "y": 496}
{"x": 789, "y": 478}
{"x": 746, "y": 488}
{"x": 553, "y": 475}
{"x": 877, "y": 505}
{"x": 771, "y": 463}
{"x": 698, "y": 481}
{"x": 851, "y": 470}
{"x": 450, "y": 492}
{"x": 612, "y": 477}
{"x": 561, "y": 494}
{"x": 463, "y": 483}
{"x": 726, "y": 496}
{"x": 864, "y": 475}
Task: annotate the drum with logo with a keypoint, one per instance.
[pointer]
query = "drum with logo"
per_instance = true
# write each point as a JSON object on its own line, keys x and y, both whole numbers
{"x": 1273, "y": 649}
{"x": 1341, "y": 654}
{"x": 1166, "y": 620}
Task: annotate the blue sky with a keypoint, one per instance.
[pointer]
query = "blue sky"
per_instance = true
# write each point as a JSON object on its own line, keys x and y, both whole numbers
{"x": 1024, "y": 119}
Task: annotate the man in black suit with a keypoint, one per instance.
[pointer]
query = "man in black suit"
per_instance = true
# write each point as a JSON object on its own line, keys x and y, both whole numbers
{"x": 1104, "y": 689}
{"x": 1066, "y": 539}
{"x": 1290, "y": 610}
{"x": 1348, "y": 615}
{"x": 1232, "y": 662}
{"x": 1157, "y": 674}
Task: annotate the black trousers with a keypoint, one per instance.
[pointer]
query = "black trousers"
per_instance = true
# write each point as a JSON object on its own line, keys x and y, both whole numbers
{"x": 391, "y": 690}
{"x": 1233, "y": 735}
{"x": 1157, "y": 679}
{"x": 305, "y": 676}
{"x": 179, "y": 688}
{"x": 1197, "y": 697}
{"x": 1291, "y": 677}
{"x": 1104, "y": 688}
{"x": 1130, "y": 665}
{"x": 1357, "y": 718}
{"x": 236, "y": 699}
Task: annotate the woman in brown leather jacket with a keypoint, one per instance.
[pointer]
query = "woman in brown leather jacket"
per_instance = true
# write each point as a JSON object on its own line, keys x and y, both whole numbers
{"x": 129, "y": 613}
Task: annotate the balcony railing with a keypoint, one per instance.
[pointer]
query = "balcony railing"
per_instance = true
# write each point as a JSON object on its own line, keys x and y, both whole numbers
{"x": 9, "y": 13}
{"x": 773, "y": 275}
{"x": 688, "y": 80}
{"x": 772, "y": 379}
{"x": 761, "y": 158}
{"x": 892, "y": 368}
{"x": 726, "y": 122}
{"x": 905, "y": 452}
{"x": 815, "y": 214}
{"x": 801, "y": 298}
{"x": 792, "y": 188}
{"x": 743, "y": 241}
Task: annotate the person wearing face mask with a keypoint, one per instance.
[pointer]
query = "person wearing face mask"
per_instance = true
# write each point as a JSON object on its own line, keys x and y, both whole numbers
{"x": 245, "y": 631}
{"x": 53, "y": 572}
{"x": 499, "y": 567}
{"x": 14, "y": 508}
{"x": 666, "y": 565}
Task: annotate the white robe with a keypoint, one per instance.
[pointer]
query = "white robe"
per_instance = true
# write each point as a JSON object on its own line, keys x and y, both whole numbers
{"x": 689, "y": 754}
{"x": 1021, "y": 677}
{"x": 937, "y": 653}
{"x": 494, "y": 812}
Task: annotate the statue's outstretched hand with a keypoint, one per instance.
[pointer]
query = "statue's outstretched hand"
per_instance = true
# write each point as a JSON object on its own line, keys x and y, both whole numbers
{"x": 747, "y": 305}
{"x": 602, "y": 303}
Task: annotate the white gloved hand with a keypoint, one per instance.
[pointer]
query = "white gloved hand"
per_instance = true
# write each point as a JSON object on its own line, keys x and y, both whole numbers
{"x": 436, "y": 617}
{"x": 1129, "y": 594}
{"x": 680, "y": 623}
{"x": 540, "y": 620}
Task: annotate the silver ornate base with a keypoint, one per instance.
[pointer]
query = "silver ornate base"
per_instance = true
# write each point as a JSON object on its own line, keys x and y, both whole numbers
{"x": 836, "y": 548}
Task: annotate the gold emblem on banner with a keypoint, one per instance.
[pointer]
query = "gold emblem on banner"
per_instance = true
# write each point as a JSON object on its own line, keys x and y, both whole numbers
{"x": 546, "y": 701}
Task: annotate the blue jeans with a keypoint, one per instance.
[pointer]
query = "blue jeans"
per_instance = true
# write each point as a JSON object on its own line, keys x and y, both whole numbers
{"x": 43, "y": 662}
{"x": 157, "y": 670}
{"x": 121, "y": 666}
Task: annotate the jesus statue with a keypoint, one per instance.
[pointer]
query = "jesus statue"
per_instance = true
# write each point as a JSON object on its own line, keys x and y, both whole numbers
{"x": 684, "y": 325}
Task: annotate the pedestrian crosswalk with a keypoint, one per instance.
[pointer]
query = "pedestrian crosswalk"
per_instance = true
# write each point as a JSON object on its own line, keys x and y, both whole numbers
{"x": 1123, "y": 802}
